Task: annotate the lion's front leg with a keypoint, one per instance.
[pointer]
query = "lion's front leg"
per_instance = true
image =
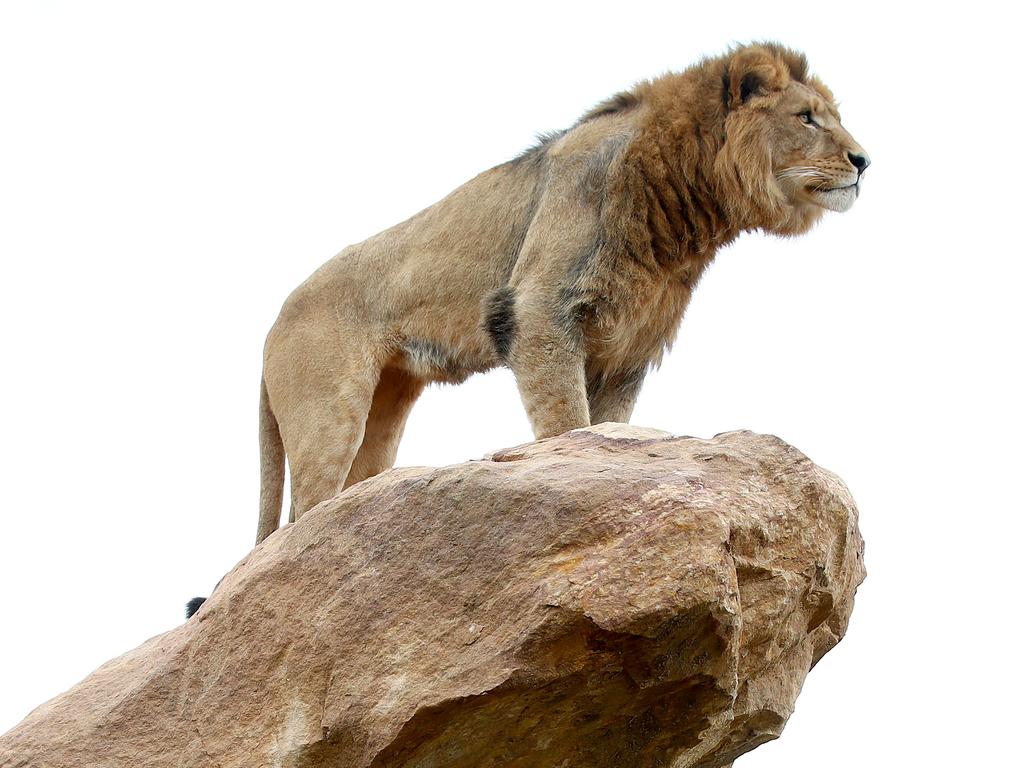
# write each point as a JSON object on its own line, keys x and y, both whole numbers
{"x": 612, "y": 396}
{"x": 535, "y": 331}
{"x": 547, "y": 359}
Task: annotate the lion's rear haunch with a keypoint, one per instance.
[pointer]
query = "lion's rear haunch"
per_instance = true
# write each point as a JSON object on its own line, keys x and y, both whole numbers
{"x": 192, "y": 606}
{"x": 571, "y": 264}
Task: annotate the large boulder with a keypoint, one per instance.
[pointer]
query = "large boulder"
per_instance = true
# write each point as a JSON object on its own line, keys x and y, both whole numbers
{"x": 610, "y": 597}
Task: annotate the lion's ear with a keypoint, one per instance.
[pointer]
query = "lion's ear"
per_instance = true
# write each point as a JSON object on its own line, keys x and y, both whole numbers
{"x": 751, "y": 72}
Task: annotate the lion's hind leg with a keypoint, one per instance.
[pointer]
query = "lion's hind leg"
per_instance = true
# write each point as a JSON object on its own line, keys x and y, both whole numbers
{"x": 396, "y": 393}
{"x": 322, "y": 410}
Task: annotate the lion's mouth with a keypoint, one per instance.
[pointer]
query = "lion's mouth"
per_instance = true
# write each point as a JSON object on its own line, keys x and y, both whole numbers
{"x": 839, "y": 198}
{"x": 855, "y": 187}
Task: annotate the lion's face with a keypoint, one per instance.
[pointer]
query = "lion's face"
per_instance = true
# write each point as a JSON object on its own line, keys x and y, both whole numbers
{"x": 786, "y": 157}
{"x": 815, "y": 160}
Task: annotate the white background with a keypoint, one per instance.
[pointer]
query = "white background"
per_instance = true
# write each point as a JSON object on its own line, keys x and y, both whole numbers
{"x": 169, "y": 172}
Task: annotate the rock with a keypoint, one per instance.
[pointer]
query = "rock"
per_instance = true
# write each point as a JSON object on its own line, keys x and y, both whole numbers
{"x": 610, "y": 597}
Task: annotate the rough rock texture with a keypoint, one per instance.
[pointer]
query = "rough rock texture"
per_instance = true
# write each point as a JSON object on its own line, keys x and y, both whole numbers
{"x": 610, "y": 597}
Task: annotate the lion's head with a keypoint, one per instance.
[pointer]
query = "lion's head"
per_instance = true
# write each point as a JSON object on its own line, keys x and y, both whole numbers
{"x": 785, "y": 148}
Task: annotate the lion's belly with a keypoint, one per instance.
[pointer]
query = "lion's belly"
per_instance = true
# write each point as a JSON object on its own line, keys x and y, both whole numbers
{"x": 446, "y": 361}
{"x": 439, "y": 332}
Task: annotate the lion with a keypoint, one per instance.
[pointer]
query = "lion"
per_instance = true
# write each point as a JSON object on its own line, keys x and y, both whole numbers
{"x": 572, "y": 264}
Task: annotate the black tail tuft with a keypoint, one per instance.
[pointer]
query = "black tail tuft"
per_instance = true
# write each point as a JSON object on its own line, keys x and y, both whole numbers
{"x": 192, "y": 606}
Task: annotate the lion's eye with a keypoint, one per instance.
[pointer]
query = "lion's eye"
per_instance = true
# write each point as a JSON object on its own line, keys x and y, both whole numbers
{"x": 806, "y": 117}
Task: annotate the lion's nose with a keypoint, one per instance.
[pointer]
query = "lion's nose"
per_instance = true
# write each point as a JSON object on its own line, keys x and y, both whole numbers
{"x": 860, "y": 162}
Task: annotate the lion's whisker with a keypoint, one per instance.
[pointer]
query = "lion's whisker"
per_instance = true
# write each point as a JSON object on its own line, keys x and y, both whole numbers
{"x": 799, "y": 173}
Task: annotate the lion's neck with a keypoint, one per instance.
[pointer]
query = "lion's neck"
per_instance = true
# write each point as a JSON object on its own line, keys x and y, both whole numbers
{"x": 671, "y": 217}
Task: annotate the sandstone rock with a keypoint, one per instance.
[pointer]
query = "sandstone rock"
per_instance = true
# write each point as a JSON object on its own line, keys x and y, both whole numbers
{"x": 609, "y": 597}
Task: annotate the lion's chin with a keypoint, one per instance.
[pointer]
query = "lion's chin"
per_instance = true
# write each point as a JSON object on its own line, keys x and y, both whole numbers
{"x": 839, "y": 200}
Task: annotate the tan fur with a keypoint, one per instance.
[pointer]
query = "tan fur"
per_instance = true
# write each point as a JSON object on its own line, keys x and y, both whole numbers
{"x": 571, "y": 264}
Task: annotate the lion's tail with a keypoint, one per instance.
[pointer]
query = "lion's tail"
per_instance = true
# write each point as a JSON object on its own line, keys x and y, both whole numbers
{"x": 192, "y": 606}
{"x": 271, "y": 468}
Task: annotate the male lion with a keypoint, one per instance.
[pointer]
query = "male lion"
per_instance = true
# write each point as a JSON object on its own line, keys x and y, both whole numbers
{"x": 572, "y": 264}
